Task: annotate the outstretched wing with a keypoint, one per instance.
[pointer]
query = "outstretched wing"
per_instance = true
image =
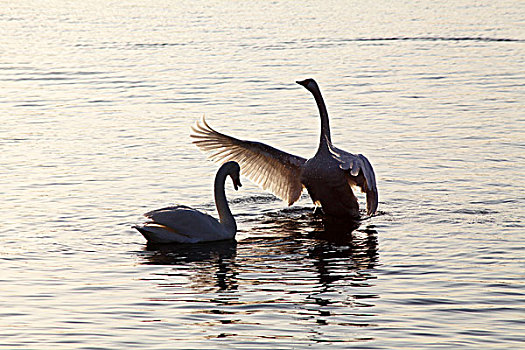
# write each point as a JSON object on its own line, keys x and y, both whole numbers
{"x": 359, "y": 172}
{"x": 272, "y": 169}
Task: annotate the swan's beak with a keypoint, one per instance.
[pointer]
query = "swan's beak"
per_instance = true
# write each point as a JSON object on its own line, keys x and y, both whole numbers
{"x": 237, "y": 184}
{"x": 302, "y": 82}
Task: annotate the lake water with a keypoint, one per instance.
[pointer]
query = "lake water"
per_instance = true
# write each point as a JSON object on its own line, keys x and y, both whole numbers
{"x": 96, "y": 104}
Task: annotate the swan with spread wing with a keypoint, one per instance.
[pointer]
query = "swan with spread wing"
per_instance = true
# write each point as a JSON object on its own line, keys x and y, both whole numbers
{"x": 328, "y": 176}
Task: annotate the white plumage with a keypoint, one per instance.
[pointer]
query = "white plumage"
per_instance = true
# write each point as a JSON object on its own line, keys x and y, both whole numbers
{"x": 182, "y": 224}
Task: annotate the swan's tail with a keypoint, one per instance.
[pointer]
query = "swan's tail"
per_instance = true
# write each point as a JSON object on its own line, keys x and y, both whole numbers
{"x": 155, "y": 233}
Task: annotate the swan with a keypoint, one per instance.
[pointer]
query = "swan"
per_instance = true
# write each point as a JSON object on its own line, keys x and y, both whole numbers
{"x": 328, "y": 176}
{"x": 182, "y": 224}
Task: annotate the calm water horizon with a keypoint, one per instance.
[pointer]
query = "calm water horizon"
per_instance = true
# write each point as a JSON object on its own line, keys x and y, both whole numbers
{"x": 96, "y": 107}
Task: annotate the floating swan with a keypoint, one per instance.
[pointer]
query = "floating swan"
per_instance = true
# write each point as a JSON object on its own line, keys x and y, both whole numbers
{"x": 182, "y": 224}
{"x": 328, "y": 176}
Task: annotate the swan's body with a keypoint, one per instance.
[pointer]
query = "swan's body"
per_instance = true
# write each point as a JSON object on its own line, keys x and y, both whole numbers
{"x": 328, "y": 176}
{"x": 182, "y": 224}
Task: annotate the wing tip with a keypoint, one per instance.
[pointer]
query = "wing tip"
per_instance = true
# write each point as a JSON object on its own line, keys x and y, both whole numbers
{"x": 372, "y": 202}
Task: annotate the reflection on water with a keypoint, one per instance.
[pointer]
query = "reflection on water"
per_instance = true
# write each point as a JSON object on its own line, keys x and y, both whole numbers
{"x": 173, "y": 254}
{"x": 292, "y": 266}
{"x": 215, "y": 261}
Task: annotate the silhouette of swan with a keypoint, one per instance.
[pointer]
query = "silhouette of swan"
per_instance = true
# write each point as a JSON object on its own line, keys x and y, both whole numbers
{"x": 182, "y": 224}
{"x": 328, "y": 176}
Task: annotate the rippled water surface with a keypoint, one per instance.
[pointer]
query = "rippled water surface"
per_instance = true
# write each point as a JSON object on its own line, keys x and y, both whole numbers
{"x": 96, "y": 104}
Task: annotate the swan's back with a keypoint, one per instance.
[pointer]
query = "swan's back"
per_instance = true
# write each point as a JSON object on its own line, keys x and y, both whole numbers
{"x": 182, "y": 224}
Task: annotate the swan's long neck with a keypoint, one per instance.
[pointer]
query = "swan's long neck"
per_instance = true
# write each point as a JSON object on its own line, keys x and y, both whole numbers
{"x": 225, "y": 215}
{"x": 325, "y": 139}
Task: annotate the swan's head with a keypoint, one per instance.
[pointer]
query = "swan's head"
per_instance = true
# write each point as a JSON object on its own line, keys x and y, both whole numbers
{"x": 309, "y": 84}
{"x": 234, "y": 170}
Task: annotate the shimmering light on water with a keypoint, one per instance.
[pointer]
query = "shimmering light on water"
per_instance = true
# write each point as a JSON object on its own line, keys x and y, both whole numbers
{"x": 96, "y": 104}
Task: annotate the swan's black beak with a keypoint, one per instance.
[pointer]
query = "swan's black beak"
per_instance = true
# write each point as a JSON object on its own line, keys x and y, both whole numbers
{"x": 237, "y": 184}
{"x": 302, "y": 82}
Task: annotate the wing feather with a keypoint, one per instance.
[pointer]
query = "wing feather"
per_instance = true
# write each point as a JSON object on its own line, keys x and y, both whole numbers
{"x": 272, "y": 169}
{"x": 360, "y": 172}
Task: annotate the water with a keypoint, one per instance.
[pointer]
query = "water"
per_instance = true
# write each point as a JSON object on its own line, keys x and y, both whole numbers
{"x": 96, "y": 104}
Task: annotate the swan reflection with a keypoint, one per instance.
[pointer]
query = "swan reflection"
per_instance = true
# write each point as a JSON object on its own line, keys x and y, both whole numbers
{"x": 212, "y": 262}
{"x": 179, "y": 254}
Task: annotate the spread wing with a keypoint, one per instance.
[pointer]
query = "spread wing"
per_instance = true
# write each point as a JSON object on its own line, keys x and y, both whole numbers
{"x": 359, "y": 172}
{"x": 272, "y": 169}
